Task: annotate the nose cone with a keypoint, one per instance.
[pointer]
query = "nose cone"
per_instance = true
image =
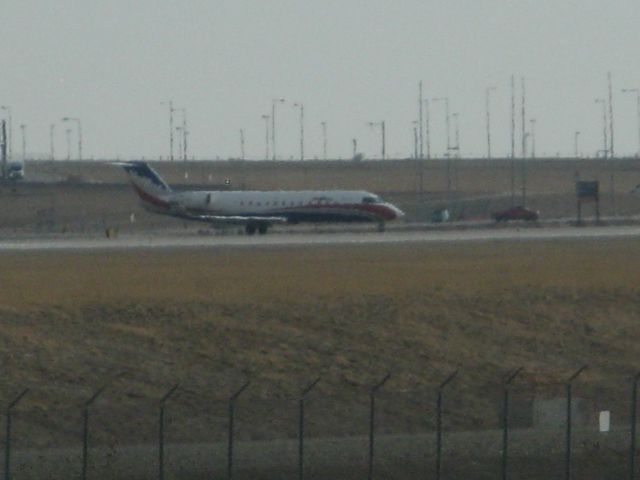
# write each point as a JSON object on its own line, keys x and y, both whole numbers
{"x": 395, "y": 212}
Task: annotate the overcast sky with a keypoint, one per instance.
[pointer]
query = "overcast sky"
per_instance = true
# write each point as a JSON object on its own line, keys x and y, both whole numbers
{"x": 112, "y": 63}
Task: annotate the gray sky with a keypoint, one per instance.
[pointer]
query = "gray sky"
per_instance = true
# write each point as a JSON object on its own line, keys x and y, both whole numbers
{"x": 111, "y": 63}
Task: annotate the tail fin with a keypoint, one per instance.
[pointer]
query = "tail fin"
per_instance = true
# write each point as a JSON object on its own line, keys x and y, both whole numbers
{"x": 149, "y": 186}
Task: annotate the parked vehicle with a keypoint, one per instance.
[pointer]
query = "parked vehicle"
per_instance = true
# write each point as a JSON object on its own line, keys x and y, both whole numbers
{"x": 441, "y": 215}
{"x": 516, "y": 213}
{"x": 16, "y": 171}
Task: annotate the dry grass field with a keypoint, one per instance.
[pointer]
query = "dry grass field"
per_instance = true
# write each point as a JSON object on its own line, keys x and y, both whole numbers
{"x": 209, "y": 319}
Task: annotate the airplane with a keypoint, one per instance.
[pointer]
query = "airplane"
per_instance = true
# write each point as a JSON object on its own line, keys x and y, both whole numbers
{"x": 257, "y": 210}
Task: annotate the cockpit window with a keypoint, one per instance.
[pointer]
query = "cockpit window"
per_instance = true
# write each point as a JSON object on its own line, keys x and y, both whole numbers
{"x": 371, "y": 199}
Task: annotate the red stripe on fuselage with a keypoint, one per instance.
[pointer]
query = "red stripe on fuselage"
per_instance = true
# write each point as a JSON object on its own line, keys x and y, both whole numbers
{"x": 148, "y": 198}
{"x": 375, "y": 211}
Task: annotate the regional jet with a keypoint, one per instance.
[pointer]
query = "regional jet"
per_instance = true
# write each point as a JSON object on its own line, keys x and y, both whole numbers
{"x": 257, "y": 210}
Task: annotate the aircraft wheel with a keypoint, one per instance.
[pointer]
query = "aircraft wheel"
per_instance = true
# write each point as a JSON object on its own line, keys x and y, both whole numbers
{"x": 250, "y": 228}
{"x": 262, "y": 228}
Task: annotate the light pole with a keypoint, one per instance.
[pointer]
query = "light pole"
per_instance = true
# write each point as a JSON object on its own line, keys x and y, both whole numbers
{"x": 324, "y": 139}
{"x": 447, "y": 120}
{"x": 68, "y": 133}
{"x": 301, "y": 107}
{"x": 524, "y": 117}
{"x": 512, "y": 169}
{"x": 7, "y": 108}
{"x": 456, "y": 147}
{"x": 426, "y": 128}
{"x": 575, "y": 144}
{"x": 51, "y": 145}
{"x": 266, "y": 135}
{"x": 184, "y": 131}
{"x": 523, "y": 167}
{"x": 488, "y": 109}
{"x": 611, "y": 149}
{"x": 180, "y": 144}
{"x": 605, "y": 149}
{"x": 448, "y": 153}
{"x": 242, "y": 144}
{"x": 415, "y": 139}
{"x": 532, "y": 122}
{"x": 382, "y": 134}
{"x": 454, "y": 167}
{"x": 273, "y": 125}
{"x": 77, "y": 120}
{"x": 420, "y": 111}
{"x": 637, "y": 92}
{"x": 23, "y": 128}
{"x": 171, "y": 110}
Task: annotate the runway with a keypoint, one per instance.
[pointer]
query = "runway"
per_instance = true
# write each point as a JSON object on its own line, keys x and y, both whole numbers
{"x": 280, "y": 240}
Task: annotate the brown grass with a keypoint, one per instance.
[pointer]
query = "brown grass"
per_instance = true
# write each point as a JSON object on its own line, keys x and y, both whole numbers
{"x": 399, "y": 287}
{"x": 72, "y": 280}
{"x": 212, "y": 318}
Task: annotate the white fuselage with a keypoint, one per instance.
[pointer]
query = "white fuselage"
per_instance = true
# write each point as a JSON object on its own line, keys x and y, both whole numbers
{"x": 257, "y": 209}
{"x": 305, "y": 205}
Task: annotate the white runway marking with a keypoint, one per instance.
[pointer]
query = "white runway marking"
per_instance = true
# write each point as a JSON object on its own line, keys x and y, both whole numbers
{"x": 159, "y": 241}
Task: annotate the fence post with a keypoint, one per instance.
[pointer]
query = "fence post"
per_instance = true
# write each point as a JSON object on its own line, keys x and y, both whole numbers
{"x": 439, "y": 423}
{"x": 633, "y": 420}
{"x": 505, "y": 419}
{"x": 567, "y": 459}
{"x": 85, "y": 431}
{"x": 163, "y": 401}
{"x": 7, "y": 451}
{"x": 301, "y": 400}
{"x": 372, "y": 399}
{"x": 232, "y": 407}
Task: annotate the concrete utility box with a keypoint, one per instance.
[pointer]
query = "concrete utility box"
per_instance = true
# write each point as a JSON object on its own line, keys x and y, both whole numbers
{"x": 552, "y": 412}
{"x": 604, "y": 421}
{"x": 520, "y": 412}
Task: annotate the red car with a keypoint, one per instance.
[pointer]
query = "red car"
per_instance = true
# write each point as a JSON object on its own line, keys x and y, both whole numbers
{"x": 516, "y": 213}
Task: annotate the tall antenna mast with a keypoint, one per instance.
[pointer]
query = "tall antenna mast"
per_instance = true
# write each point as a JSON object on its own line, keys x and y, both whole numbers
{"x": 524, "y": 145}
{"x": 613, "y": 165}
{"x": 612, "y": 154}
{"x": 421, "y": 150}
{"x": 4, "y": 149}
{"x": 524, "y": 120}
{"x": 513, "y": 139}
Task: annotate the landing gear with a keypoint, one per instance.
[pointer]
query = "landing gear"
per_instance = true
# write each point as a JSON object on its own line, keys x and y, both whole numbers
{"x": 251, "y": 228}
{"x": 381, "y": 226}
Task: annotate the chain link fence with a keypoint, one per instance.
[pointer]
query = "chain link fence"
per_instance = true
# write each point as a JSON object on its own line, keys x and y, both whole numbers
{"x": 499, "y": 430}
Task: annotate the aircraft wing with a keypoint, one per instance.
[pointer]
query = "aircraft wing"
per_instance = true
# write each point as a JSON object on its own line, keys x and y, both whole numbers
{"x": 237, "y": 219}
{"x": 180, "y": 211}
